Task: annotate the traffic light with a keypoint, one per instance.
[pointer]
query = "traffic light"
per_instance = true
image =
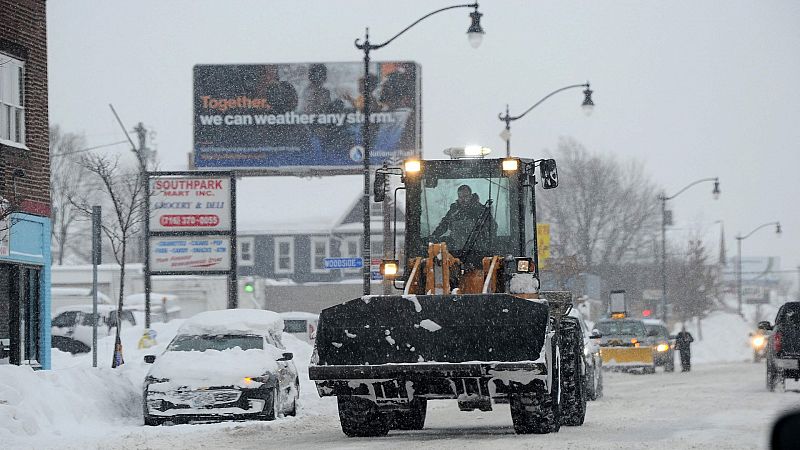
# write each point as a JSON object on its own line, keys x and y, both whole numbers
{"x": 249, "y": 287}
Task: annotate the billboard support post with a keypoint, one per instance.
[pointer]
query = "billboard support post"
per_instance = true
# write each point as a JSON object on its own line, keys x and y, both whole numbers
{"x": 475, "y": 33}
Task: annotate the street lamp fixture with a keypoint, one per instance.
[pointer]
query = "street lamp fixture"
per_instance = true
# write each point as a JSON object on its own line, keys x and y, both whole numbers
{"x": 663, "y": 197}
{"x": 475, "y": 36}
{"x": 587, "y": 105}
{"x": 739, "y": 240}
{"x": 475, "y": 32}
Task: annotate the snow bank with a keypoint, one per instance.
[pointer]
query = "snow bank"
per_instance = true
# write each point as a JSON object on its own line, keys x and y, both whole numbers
{"x": 61, "y": 402}
{"x": 726, "y": 338}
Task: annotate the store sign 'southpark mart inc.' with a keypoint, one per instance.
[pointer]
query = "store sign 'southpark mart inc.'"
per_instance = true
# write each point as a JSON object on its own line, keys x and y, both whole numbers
{"x": 190, "y": 204}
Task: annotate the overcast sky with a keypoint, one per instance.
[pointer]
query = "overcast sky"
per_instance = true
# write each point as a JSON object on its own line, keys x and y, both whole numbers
{"x": 692, "y": 89}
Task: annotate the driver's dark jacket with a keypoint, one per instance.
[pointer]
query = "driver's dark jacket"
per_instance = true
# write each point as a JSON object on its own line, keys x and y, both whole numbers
{"x": 460, "y": 220}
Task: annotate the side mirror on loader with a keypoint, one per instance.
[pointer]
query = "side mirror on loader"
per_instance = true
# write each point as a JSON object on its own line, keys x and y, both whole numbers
{"x": 548, "y": 173}
{"x": 379, "y": 188}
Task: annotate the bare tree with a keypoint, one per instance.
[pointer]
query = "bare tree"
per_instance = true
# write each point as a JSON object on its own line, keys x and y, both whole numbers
{"x": 124, "y": 196}
{"x": 68, "y": 180}
{"x": 602, "y": 211}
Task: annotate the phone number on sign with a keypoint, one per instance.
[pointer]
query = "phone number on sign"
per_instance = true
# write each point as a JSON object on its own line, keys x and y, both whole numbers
{"x": 189, "y": 220}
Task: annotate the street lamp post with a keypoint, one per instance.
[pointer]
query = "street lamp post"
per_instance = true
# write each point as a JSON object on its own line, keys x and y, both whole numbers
{"x": 739, "y": 240}
{"x": 474, "y": 34}
{"x": 587, "y": 105}
{"x": 664, "y": 198}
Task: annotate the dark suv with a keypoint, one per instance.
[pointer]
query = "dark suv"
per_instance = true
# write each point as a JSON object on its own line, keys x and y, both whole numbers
{"x": 783, "y": 348}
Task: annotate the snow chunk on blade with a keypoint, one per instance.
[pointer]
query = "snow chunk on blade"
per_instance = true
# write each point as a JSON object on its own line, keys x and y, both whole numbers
{"x": 430, "y": 325}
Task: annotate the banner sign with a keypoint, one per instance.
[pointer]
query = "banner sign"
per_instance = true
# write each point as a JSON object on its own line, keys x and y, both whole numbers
{"x": 190, "y": 204}
{"x": 190, "y": 254}
{"x": 306, "y": 116}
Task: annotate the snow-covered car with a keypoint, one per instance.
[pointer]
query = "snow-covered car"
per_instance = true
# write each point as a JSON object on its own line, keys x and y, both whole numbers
{"x": 228, "y": 364}
{"x": 593, "y": 363}
{"x": 302, "y": 325}
{"x": 71, "y": 326}
{"x": 663, "y": 345}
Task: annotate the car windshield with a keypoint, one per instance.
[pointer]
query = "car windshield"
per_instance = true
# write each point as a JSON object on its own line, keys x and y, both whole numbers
{"x": 660, "y": 331}
{"x": 201, "y": 343}
{"x": 621, "y": 327}
{"x": 295, "y": 326}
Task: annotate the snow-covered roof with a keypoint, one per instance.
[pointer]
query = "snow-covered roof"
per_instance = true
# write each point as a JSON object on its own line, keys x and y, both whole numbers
{"x": 227, "y": 321}
{"x": 101, "y": 309}
{"x": 294, "y": 205}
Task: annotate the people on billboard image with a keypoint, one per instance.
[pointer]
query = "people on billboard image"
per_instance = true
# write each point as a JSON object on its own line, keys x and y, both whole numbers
{"x": 295, "y": 115}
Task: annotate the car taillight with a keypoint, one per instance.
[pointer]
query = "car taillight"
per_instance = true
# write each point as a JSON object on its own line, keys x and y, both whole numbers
{"x": 777, "y": 341}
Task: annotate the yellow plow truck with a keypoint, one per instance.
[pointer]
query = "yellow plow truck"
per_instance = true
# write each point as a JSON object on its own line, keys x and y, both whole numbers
{"x": 624, "y": 345}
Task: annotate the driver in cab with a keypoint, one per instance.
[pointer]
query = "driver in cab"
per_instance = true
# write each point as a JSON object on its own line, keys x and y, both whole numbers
{"x": 461, "y": 220}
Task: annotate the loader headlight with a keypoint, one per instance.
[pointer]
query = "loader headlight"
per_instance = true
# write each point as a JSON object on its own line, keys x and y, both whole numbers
{"x": 524, "y": 265}
{"x": 412, "y": 166}
{"x": 758, "y": 341}
{"x": 389, "y": 268}
{"x": 662, "y": 347}
{"x": 510, "y": 165}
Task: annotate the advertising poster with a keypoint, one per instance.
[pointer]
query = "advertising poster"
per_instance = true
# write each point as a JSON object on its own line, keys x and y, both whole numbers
{"x": 308, "y": 115}
{"x": 190, "y": 254}
{"x": 190, "y": 204}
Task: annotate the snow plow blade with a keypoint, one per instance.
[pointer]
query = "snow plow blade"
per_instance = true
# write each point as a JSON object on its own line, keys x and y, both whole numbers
{"x": 378, "y": 330}
{"x": 626, "y": 356}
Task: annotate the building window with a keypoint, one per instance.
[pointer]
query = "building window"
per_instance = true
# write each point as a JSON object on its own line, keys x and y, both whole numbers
{"x": 284, "y": 255}
{"x": 246, "y": 247}
{"x": 12, "y": 100}
{"x": 319, "y": 251}
{"x": 351, "y": 248}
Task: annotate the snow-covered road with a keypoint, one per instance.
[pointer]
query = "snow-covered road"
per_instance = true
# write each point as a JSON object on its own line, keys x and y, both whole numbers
{"x": 714, "y": 406}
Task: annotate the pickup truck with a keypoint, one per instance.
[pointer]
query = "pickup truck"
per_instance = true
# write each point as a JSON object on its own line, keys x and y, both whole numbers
{"x": 783, "y": 347}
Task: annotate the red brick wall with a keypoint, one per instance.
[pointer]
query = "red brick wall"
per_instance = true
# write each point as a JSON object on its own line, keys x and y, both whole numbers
{"x": 23, "y": 35}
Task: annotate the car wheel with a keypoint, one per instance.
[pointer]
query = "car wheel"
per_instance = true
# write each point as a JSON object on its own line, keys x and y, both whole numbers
{"x": 591, "y": 383}
{"x": 293, "y": 411}
{"x": 361, "y": 417}
{"x": 670, "y": 365}
{"x": 770, "y": 377}
{"x": 151, "y": 421}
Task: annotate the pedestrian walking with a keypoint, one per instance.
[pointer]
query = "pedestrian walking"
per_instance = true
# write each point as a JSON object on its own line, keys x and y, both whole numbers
{"x": 684, "y": 341}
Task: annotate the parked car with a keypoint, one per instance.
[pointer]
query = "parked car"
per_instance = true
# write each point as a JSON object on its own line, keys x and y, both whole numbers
{"x": 302, "y": 325}
{"x": 163, "y": 307}
{"x": 663, "y": 345}
{"x": 593, "y": 363}
{"x": 783, "y": 345}
{"x": 228, "y": 364}
{"x": 71, "y": 326}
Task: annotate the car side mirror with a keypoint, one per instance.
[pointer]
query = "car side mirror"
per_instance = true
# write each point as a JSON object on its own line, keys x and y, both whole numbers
{"x": 786, "y": 431}
{"x": 764, "y": 325}
{"x": 379, "y": 187}
{"x": 548, "y": 173}
{"x": 149, "y": 359}
{"x": 286, "y": 357}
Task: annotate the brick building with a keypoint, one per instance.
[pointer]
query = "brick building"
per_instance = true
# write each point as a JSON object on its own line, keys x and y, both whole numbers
{"x": 24, "y": 185}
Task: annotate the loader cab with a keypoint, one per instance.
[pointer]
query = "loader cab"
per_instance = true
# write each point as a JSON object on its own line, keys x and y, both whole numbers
{"x": 501, "y": 189}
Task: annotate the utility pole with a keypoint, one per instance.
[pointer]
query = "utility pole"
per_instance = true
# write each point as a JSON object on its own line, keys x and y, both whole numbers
{"x": 142, "y": 155}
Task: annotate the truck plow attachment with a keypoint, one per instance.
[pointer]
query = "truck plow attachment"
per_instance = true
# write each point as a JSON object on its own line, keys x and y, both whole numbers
{"x": 626, "y": 356}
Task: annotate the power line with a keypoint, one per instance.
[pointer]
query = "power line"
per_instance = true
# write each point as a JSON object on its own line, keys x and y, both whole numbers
{"x": 87, "y": 149}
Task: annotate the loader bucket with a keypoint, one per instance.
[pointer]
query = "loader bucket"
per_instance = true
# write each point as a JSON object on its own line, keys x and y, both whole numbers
{"x": 425, "y": 328}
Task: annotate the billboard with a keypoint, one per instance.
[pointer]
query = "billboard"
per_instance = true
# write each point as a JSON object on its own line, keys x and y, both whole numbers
{"x": 291, "y": 117}
{"x": 193, "y": 203}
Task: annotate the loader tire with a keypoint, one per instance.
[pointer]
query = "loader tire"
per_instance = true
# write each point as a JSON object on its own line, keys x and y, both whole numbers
{"x": 411, "y": 419}
{"x": 538, "y": 412}
{"x": 360, "y": 417}
{"x": 573, "y": 387}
